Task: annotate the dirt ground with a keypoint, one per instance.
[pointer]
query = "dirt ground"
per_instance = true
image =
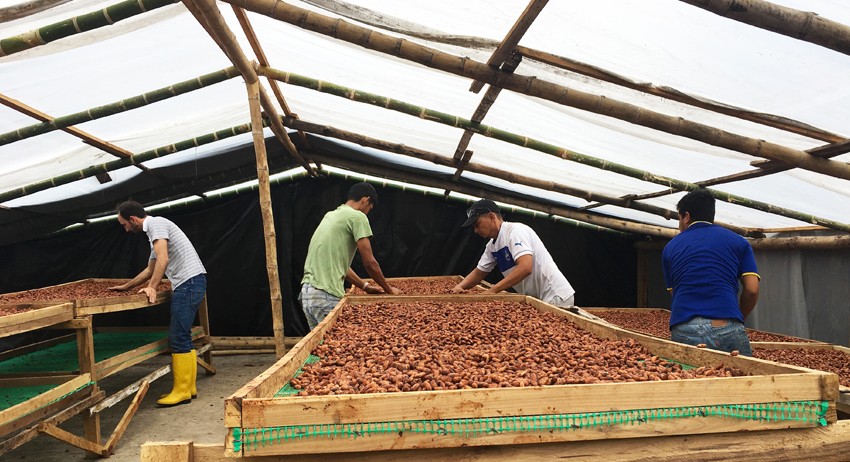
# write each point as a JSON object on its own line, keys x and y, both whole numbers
{"x": 201, "y": 421}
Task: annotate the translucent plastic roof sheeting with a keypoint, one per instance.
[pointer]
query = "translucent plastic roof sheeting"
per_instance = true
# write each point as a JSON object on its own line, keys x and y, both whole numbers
{"x": 665, "y": 43}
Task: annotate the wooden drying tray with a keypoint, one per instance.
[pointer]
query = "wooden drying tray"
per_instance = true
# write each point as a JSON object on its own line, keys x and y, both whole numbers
{"x": 91, "y": 306}
{"x": 843, "y": 401}
{"x": 254, "y": 405}
{"x": 791, "y": 339}
{"x": 36, "y": 316}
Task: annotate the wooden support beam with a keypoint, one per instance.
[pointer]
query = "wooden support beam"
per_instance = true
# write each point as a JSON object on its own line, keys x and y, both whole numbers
{"x": 129, "y": 390}
{"x": 116, "y": 435}
{"x": 531, "y": 86}
{"x": 70, "y": 438}
{"x": 204, "y": 319}
{"x": 210, "y": 18}
{"x": 268, "y": 218}
{"x": 513, "y": 37}
{"x": 462, "y": 155}
{"x": 264, "y": 61}
{"x": 74, "y": 131}
{"x": 800, "y": 25}
{"x": 24, "y": 9}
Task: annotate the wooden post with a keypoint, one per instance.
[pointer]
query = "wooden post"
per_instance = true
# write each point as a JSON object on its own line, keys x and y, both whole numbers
{"x": 204, "y": 319}
{"x": 268, "y": 217}
{"x": 86, "y": 358}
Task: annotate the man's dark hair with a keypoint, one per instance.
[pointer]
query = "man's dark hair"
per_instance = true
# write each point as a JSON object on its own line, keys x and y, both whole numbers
{"x": 699, "y": 203}
{"x": 131, "y": 209}
{"x": 361, "y": 190}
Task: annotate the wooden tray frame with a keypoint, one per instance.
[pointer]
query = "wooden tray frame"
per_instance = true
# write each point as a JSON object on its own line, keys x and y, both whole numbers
{"x": 39, "y": 316}
{"x": 755, "y": 344}
{"x": 254, "y": 405}
{"x": 87, "y": 307}
{"x": 456, "y": 278}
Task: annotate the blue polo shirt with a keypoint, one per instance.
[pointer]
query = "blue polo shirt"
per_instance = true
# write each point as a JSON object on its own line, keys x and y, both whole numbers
{"x": 702, "y": 267}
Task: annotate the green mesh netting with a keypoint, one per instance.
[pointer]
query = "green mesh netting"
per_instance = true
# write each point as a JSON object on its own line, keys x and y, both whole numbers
{"x": 63, "y": 357}
{"x": 248, "y": 439}
{"x": 287, "y": 389}
{"x": 16, "y": 395}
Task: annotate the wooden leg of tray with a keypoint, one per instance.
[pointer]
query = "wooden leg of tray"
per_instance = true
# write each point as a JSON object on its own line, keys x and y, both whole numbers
{"x": 86, "y": 358}
{"x": 204, "y": 316}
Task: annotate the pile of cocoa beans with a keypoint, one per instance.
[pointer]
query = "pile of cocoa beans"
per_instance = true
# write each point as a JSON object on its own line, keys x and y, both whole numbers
{"x": 442, "y": 345}
{"x": 80, "y": 290}
{"x": 761, "y": 336}
{"x": 424, "y": 286}
{"x": 821, "y": 359}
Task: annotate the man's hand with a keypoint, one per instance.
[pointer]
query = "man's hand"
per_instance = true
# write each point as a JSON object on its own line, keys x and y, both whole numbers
{"x": 150, "y": 292}
{"x": 395, "y": 291}
{"x": 458, "y": 290}
{"x": 373, "y": 289}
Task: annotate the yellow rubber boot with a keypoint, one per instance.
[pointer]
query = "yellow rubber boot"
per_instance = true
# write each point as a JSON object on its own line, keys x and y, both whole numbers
{"x": 194, "y": 387}
{"x": 181, "y": 368}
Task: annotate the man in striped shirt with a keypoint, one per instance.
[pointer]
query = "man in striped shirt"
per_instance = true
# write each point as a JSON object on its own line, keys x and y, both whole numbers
{"x": 172, "y": 256}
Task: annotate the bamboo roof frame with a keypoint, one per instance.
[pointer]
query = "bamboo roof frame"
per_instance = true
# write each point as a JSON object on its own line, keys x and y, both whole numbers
{"x": 778, "y": 165}
{"x": 530, "y": 143}
{"x": 560, "y": 94}
{"x": 24, "y": 9}
{"x": 800, "y": 25}
{"x": 509, "y": 43}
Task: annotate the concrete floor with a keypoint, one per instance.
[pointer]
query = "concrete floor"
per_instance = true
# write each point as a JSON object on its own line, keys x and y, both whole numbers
{"x": 201, "y": 421}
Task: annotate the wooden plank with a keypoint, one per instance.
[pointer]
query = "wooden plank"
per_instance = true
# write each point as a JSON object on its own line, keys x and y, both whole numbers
{"x": 125, "y": 420}
{"x": 70, "y": 438}
{"x": 77, "y": 323}
{"x": 130, "y": 389}
{"x": 414, "y": 440}
{"x": 220, "y": 342}
{"x": 558, "y": 399}
{"x": 823, "y": 444}
{"x": 22, "y": 350}
{"x": 12, "y": 413}
{"x": 135, "y": 356}
{"x": 174, "y": 451}
{"x": 61, "y": 416}
{"x": 36, "y": 319}
{"x": 7, "y": 381}
{"x": 26, "y": 420}
{"x": 278, "y": 374}
{"x": 204, "y": 319}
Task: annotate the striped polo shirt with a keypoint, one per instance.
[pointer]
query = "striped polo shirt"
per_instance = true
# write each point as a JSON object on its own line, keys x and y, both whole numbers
{"x": 183, "y": 261}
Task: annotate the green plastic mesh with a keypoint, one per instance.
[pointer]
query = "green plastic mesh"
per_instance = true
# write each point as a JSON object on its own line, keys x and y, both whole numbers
{"x": 63, "y": 357}
{"x": 16, "y": 395}
{"x": 248, "y": 439}
{"x": 287, "y": 389}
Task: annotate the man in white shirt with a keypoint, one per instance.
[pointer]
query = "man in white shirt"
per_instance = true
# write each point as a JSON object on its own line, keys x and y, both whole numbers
{"x": 519, "y": 254}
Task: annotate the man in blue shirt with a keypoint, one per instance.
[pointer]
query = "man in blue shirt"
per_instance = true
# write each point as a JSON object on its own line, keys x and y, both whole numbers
{"x": 702, "y": 267}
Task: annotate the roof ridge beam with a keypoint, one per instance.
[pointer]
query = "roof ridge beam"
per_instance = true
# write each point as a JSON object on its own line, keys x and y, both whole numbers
{"x": 531, "y": 86}
{"x": 800, "y": 25}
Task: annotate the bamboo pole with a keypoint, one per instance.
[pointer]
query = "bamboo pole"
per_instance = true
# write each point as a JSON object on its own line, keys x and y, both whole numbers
{"x": 24, "y": 9}
{"x": 841, "y": 242}
{"x": 782, "y": 123}
{"x": 362, "y": 140}
{"x": 120, "y": 163}
{"x": 509, "y": 198}
{"x": 509, "y": 43}
{"x": 242, "y": 17}
{"x": 120, "y": 106}
{"x": 800, "y": 25}
{"x": 78, "y": 24}
{"x": 530, "y": 143}
{"x": 532, "y": 86}
{"x": 268, "y": 217}
{"x": 210, "y": 18}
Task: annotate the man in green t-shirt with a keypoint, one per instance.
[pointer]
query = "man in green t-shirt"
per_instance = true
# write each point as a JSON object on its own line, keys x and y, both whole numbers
{"x": 341, "y": 232}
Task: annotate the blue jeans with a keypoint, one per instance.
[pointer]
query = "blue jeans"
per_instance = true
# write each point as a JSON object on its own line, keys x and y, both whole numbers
{"x": 185, "y": 300}
{"x": 316, "y": 304}
{"x": 726, "y": 338}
